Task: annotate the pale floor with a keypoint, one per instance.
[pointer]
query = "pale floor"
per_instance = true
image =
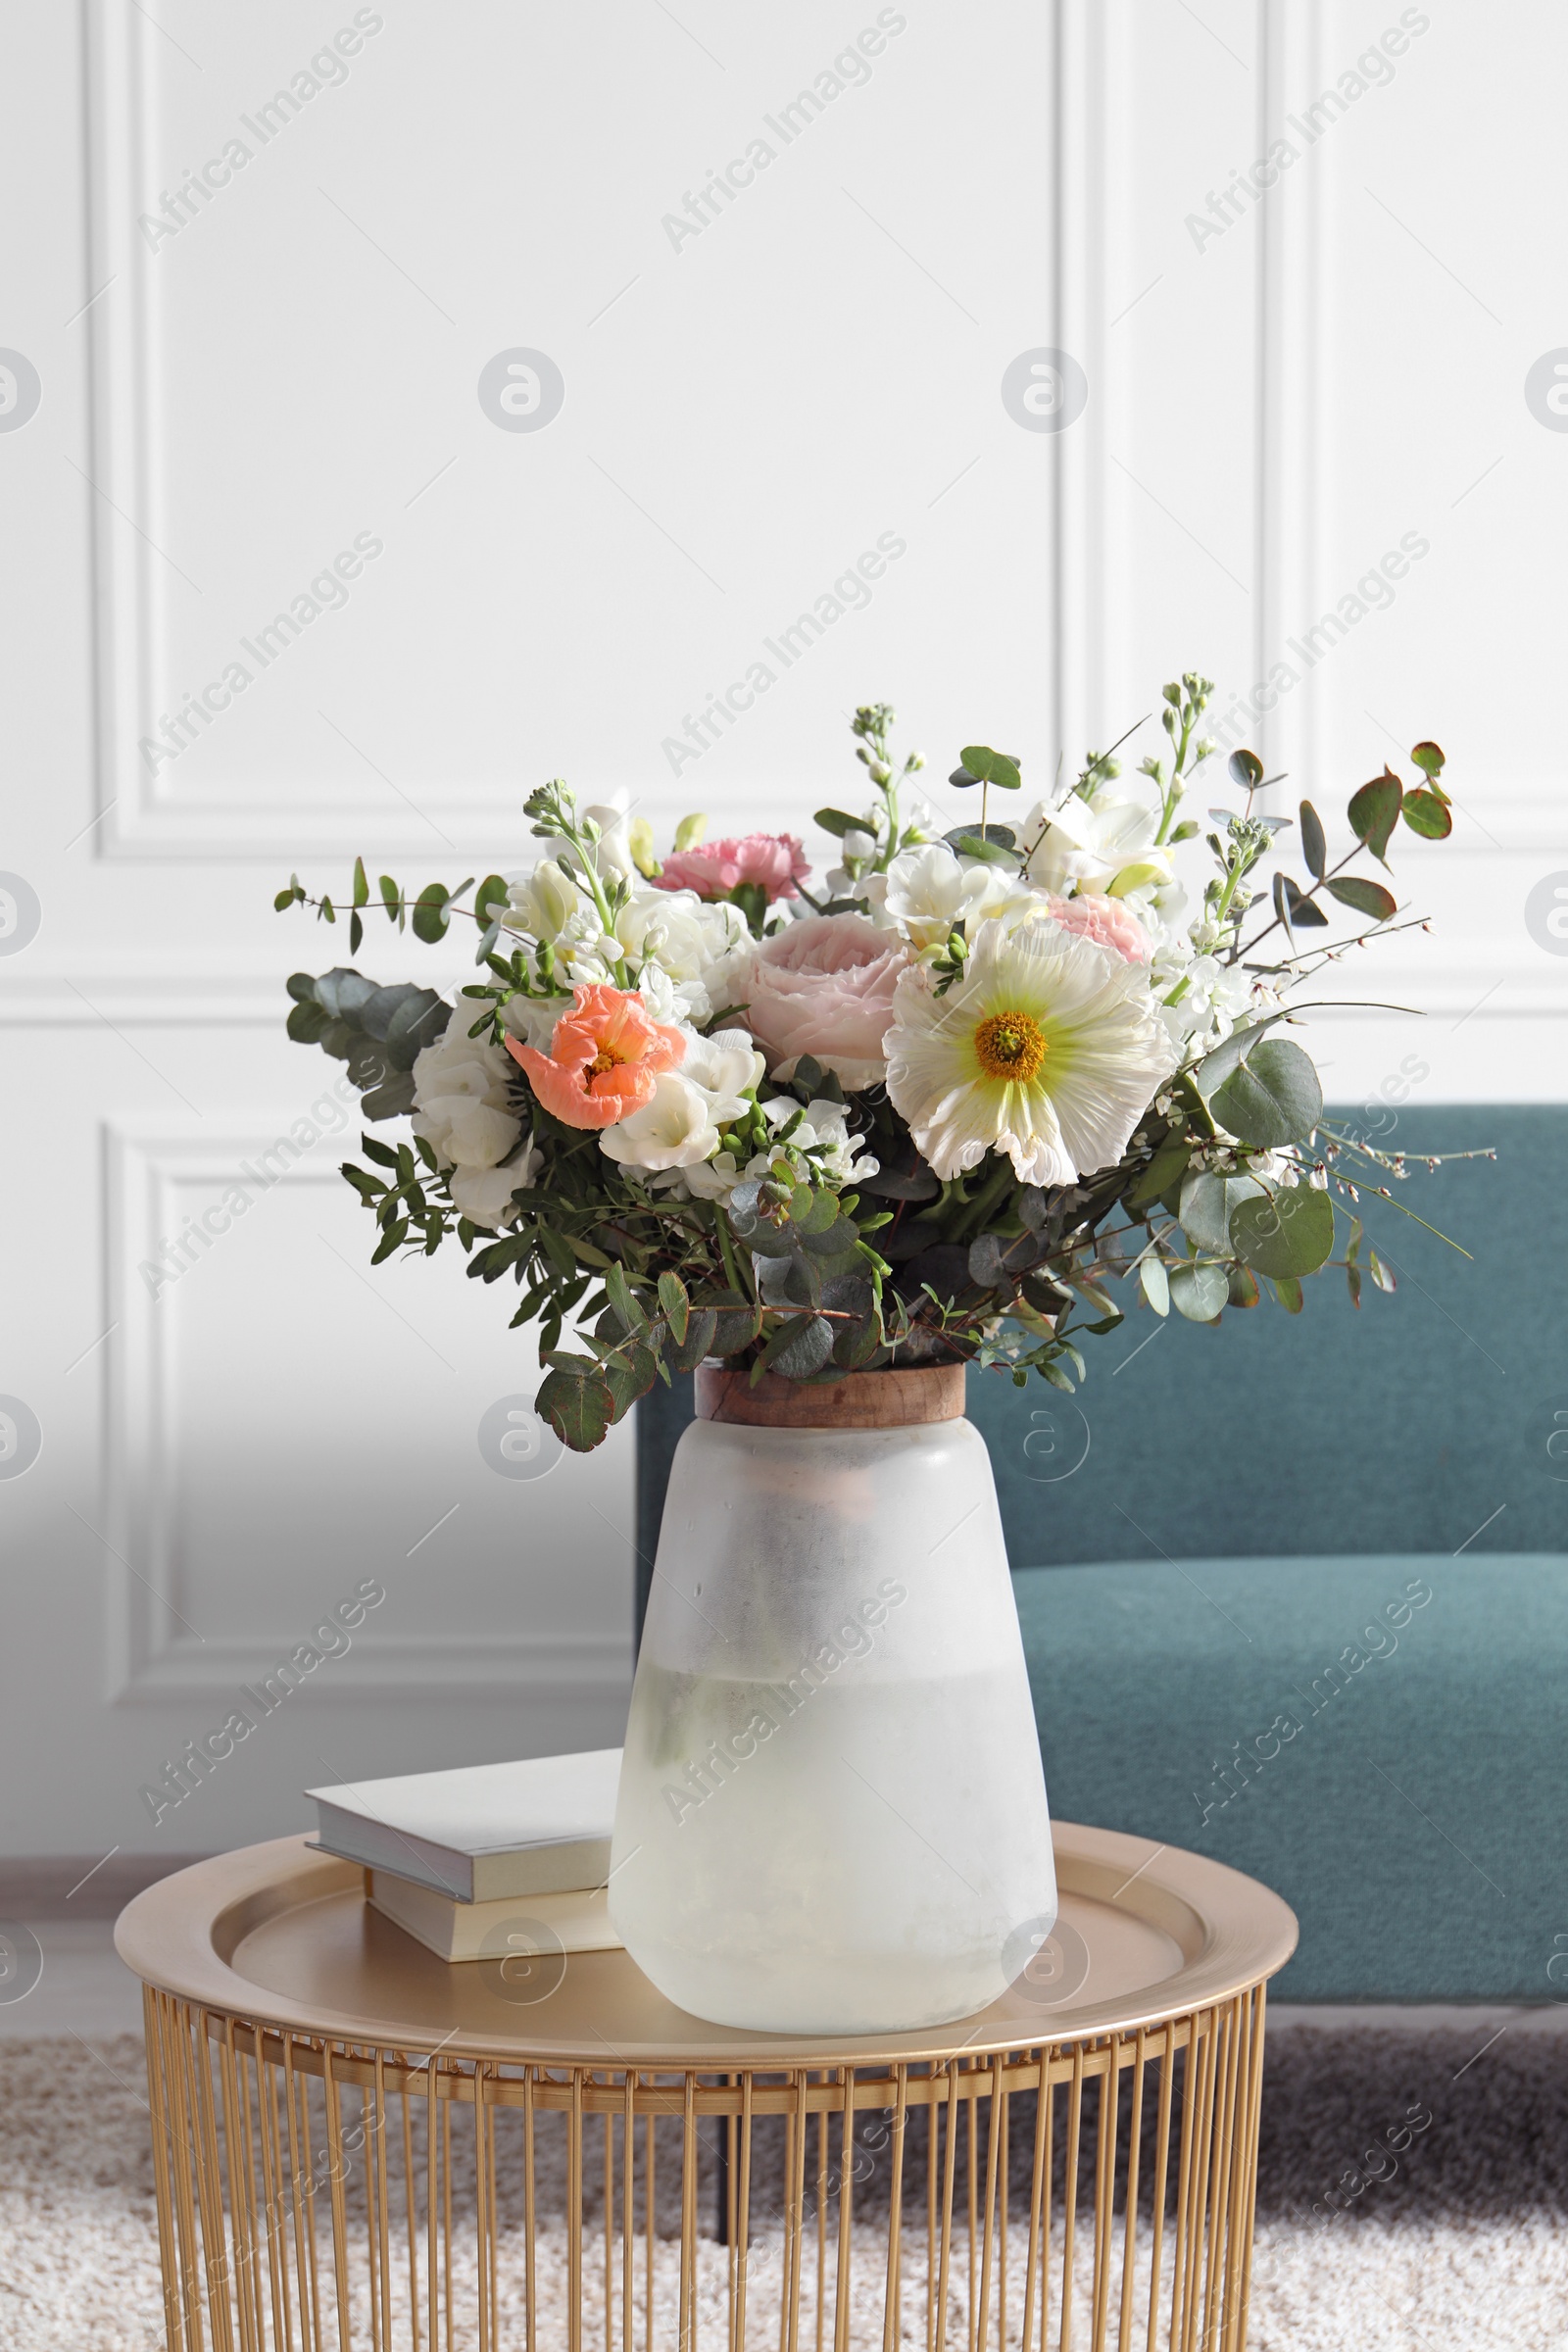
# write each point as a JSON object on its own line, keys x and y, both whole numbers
{"x": 86, "y": 1990}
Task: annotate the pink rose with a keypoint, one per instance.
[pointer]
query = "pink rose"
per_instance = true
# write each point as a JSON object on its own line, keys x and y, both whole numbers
{"x": 1107, "y": 922}
{"x": 824, "y": 987}
{"x": 777, "y": 861}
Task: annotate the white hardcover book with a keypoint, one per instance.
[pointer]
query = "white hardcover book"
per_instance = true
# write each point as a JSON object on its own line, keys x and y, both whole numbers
{"x": 537, "y": 1923}
{"x": 485, "y": 1832}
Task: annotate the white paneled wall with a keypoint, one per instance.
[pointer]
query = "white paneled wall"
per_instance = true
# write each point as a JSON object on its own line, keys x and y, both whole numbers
{"x": 290, "y": 585}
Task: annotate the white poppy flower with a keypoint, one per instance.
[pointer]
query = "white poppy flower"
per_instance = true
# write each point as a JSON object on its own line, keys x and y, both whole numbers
{"x": 1048, "y": 1049}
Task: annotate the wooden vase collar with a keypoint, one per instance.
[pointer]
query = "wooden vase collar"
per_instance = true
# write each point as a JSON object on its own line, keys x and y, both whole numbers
{"x": 897, "y": 1399}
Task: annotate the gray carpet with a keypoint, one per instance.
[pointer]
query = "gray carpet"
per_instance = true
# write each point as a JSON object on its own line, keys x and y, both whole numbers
{"x": 1412, "y": 2195}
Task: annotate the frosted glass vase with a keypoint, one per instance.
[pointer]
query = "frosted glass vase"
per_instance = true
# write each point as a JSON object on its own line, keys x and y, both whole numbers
{"x": 832, "y": 1814}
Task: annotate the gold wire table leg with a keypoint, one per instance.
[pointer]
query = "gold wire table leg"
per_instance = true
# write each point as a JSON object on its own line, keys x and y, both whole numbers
{"x": 841, "y": 2295}
{"x": 1070, "y": 2215}
{"x": 891, "y": 2332}
{"x": 1135, "y": 2135}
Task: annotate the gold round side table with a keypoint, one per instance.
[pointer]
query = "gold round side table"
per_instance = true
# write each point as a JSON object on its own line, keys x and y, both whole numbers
{"x": 359, "y": 2145}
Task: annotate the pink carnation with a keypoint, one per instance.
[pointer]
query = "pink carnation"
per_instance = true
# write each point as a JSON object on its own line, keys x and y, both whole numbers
{"x": 824, "y": 987}
{"x": 1107, "y": 922}
{"x": 777, "y": 861}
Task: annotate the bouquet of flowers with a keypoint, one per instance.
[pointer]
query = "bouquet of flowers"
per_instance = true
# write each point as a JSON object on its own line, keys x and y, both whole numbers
{"x": 967, "y": 1100}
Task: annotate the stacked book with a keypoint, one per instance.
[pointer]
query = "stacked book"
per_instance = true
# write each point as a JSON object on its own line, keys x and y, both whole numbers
{"x": 457, "y": 1857}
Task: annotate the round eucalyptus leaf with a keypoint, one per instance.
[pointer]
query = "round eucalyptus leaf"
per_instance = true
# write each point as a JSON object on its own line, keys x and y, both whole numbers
{"x": 1199, "y": 1292}
{"x": 1288, "y": 1236}
{"x": 1270, "y": 1098}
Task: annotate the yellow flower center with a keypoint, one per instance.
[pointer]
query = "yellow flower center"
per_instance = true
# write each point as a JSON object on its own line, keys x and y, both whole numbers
{"x": 604, "y": 1059}
{"x": 1010, "y": 1045}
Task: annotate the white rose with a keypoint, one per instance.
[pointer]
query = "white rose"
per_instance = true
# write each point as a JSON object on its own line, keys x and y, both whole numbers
{"x": 462, "y": 1098}
{"x": 675, "y": 1130}
{"x": 485, "y": 1194}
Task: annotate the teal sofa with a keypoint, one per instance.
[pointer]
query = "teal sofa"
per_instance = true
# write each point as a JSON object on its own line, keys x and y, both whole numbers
{"x": 1292, "y": 1590}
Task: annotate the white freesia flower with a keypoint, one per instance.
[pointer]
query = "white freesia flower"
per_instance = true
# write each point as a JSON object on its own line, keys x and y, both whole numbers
{"x": 485, "y": 1194}
{"x": 727, "y": 1068}
{"x": 675, "y": 1130}
{"x": 462, "y": 1101}
{"x": 1048, "y": 1049}
{"x": 1087, "y": 844}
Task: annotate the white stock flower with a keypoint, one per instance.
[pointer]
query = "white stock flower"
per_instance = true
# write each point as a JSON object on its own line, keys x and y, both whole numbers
{"x": 485, "y": 1194}
{"x": 930, "y": 888}
{"x": 462, "y": 1101}
{"x": 824, "y": 1130}
{"x": 1047, "y": 1048}
{"x": 546, "y": 903}
{"x": 1087, "y": 844}
{"x": 1210, "y": 997}
{"x": 613, "y": 851}
{"x": 675, "y": 1130}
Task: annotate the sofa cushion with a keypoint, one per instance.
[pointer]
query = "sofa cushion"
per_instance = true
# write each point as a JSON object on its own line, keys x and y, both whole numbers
{"x": 1380, "y": 1739}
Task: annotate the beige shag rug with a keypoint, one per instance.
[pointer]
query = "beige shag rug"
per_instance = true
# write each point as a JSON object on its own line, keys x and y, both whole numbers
{"x": 1411, "y": 2197}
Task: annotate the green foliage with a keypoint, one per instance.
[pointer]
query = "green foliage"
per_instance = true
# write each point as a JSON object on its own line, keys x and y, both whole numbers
{"x": 1289, "y": 1234}
{"x": 628, "y": 1284}
{"x": 1271, "y": 1098}
{"x": 379, "y": 1032}
{"x": 980, "y": 765}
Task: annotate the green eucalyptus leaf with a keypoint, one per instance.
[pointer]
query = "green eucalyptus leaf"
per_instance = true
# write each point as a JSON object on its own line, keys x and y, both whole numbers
{"x": 1314, "y": 848}
{"x": 702, "y": 1330}
{"x": 1208, "y": 1205}
{"x": 1367, "y": 897}
{"x": 675, "y": 1303}
{"x": 1154, "y": 1283}
{"x": 799, "y": 1347}
{"x": 430, "y": 915}
{"x": 1427, "y": 814}
{"x": 983, "y": 765}
{"x": 1429, "y": 759}
{"x": 1243, "y": 1285}
{"x": 1272, "y": 1098}
{"x": 838, "y": 823}
{"x": 1374, "y": 811}
{"x": 1287, "y": 1291}
{"x": 1246, "y": 769}
{"x": 579, "y": 1408}
{"x": 1289, "y": 1235}
{"x": 1162, "y": 1171}
{"x": 1197, "y": 1291}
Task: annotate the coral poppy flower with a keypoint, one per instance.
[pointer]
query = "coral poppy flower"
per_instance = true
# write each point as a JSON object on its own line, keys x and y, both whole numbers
{"x": 604, "y": 1058}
